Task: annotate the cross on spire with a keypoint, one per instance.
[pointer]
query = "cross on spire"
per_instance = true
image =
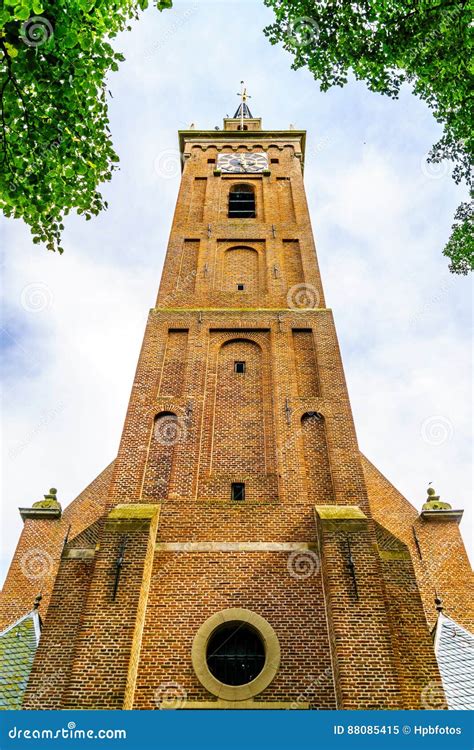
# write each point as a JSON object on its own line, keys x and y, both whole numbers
{"x": 243, "y": 111}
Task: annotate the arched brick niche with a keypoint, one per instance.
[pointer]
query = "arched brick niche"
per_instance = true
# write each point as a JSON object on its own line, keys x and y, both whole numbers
{"x": 238, "y": 441}
{"x": 317, "y": 467}
{"x": 166, "y": 434}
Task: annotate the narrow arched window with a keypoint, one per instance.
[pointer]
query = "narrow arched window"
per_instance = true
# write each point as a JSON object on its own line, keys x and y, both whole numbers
{"x": 242, "y": 202}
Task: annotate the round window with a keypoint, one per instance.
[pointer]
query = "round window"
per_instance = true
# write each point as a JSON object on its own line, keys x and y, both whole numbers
{"x": 235, "y": 653}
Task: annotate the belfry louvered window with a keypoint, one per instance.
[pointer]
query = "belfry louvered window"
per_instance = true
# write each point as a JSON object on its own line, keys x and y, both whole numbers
{"x": 242, "y": 202}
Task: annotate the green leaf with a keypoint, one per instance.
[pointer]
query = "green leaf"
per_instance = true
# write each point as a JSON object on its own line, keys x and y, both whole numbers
{"x": 387, "y": 44}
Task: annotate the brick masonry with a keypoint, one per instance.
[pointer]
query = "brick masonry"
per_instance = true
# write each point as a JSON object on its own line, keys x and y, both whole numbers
{"x": 284, "y": 428}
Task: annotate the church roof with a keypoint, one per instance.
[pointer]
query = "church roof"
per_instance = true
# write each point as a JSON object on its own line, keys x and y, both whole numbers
{"x": 243, "y": 107}
{"x": 454, "y": 648}
{"x": 18, "y": 645}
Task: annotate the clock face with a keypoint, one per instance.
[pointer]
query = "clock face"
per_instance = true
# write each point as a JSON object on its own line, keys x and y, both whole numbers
{"x": 241, "y": 163}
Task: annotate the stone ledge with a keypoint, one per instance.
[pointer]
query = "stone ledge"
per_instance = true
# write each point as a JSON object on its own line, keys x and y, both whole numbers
{"x": 79, "y": 554}
{"x": 134, "y": 511}
{"x": 341, "y": 517}
{"x": 249, "y": 704}
{"x": 289, "y": 310}
{"x": 233, "y": 546}
{"x": 387, "y": 554}
{"x": 131, "y": 517}
{"x": 40, "y": 514}
{"x": 442, "y": 515}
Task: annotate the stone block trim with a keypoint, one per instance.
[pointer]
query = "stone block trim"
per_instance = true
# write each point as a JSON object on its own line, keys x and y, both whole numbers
{"x": 272, "y": 654}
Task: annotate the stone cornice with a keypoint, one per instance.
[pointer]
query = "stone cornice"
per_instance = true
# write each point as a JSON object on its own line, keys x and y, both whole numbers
{"x": 40, "y": 514}
{"x": 185, "y": 136}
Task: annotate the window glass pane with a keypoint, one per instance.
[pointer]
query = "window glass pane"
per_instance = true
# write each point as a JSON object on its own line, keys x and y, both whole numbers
{"x": 242, "y": 202}
{"x": 238, "y": 491}
{"x": 235, "y": 653}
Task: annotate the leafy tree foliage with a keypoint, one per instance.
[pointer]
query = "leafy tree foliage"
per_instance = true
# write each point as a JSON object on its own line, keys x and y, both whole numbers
{"x": 426, "y": 43}
{"x": 55, "y": 146}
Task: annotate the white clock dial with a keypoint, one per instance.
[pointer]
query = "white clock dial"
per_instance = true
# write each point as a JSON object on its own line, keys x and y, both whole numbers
{"x": 241, "y": 163}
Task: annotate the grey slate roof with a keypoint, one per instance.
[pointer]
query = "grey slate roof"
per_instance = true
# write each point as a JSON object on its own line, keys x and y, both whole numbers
{"x": 454, "y": 648}
{"x": 243, "y": 109}
{"x": 18, "y": 645}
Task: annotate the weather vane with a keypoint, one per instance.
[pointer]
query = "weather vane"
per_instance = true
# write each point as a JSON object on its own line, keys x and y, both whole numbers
{"x": 243, "y": 96}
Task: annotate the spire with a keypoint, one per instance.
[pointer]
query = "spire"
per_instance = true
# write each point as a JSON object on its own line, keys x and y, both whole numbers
{"x": 243, "y": 112}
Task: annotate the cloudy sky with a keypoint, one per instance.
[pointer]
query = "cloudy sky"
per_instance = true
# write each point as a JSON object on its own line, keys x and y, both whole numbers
{"x": 72, "y": 325}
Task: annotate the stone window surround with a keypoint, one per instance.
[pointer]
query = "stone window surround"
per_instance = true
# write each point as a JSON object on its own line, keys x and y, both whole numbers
{"x": 272, "y": 654}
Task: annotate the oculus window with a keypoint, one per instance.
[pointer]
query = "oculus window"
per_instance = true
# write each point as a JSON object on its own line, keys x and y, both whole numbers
{"x": 235, "y": 653}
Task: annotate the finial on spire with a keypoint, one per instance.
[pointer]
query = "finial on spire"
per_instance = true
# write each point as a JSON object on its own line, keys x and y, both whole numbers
{"x": 243, "y": 111}
{"x": 37, "y": 601}
{"x": 433, "y": 502}
{"x": 50, "y": 500}
{"x": 438, "y": 603}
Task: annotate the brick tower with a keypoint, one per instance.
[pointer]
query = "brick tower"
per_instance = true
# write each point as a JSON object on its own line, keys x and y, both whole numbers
{"x": 230, "y": 556}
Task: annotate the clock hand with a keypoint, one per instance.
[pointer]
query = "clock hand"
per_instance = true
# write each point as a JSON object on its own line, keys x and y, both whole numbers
{"x": 242, "y": 164}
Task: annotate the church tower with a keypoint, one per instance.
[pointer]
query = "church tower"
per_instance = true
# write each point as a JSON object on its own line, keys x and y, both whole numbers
{"x": 233, "y": 560}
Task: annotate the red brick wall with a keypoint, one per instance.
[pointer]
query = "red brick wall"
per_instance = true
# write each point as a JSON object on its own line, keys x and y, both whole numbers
{"x": 305, "y": 363}
{"x": 316, "y": 459}
{"x": 55, "y": 656}
{"x": 36, "y": 561}
{"x": 443, "y": 568}
{"x": 187, "y": 588}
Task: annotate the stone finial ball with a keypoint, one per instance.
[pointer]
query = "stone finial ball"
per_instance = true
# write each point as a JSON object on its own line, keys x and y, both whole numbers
{"x": 53, "y": 491}
{"x": 431, "y": 491}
